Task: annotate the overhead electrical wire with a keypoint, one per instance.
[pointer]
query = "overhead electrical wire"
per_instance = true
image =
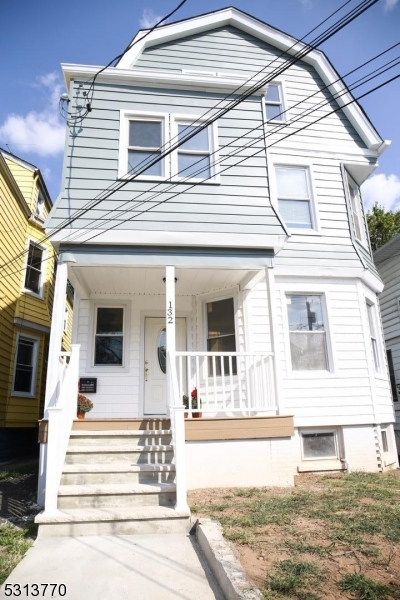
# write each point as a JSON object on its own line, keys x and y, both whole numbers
{"x": 242, "y": 160}
{"x": 357, "y": 11}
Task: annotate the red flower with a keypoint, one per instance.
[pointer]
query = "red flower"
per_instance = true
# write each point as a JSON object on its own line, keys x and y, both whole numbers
{"x": 194, "y": 393}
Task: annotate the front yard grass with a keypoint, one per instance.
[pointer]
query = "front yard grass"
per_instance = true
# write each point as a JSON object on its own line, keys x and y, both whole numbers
{"x": 329, "y": 537}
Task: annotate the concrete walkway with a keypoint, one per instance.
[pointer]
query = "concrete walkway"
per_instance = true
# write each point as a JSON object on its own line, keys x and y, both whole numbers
{"x": 135, "y": 567}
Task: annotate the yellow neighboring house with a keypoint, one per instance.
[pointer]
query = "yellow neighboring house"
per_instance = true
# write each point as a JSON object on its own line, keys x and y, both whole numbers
{"x": 26, "y": 301}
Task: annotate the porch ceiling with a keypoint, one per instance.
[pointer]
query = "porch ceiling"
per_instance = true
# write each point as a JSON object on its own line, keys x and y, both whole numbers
{"x": 134, "y": 281}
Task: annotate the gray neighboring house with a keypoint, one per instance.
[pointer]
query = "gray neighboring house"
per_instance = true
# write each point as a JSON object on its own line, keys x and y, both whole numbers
{"x": 387, "y": 260}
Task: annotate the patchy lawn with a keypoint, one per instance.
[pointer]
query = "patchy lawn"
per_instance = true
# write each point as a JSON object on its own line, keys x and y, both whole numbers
{"x": 18, "y": 508}
{"x": 329, "y": 537}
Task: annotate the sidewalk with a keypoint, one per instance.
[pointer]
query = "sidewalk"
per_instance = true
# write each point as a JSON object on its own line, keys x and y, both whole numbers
{"x": 134, "y": 567}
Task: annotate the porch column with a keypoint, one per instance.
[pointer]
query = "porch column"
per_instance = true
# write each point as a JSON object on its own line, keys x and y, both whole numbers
{"x": 170, "y": 327}
{"x": 56, "y": 333}
{"x": 271, "y": 293}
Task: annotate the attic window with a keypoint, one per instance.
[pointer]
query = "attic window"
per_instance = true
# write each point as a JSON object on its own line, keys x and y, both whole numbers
{"x": 274, "y": 105}
{"x": 40, "y": 205}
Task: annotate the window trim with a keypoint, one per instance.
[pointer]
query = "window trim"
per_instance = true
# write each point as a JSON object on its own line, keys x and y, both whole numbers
{"x": 44, "y": 251}
{"x": 283, "y": 103}
{"x": 134, "y": 115}
{"x": 202, "y": 315}
{"x": 377, "y": 364}
{"x": 356, "y": 211}
{"x": 323, "y": 430}
{"x": 213, "y": 143}
{"x": 389, "y": 455}
{"x": 282, "y": 160}
{"x": 35, "y": 362}
{"x": 90, "y": 366}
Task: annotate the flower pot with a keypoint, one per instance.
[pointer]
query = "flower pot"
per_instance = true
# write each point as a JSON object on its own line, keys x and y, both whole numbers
{"x": 197, "y": 415}
{"x": 81, "y": 415}
{"x": 185, "y": 415}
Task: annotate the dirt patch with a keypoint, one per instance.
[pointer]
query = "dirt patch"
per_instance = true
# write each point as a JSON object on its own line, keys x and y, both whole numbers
{"x": 329, "y": 537}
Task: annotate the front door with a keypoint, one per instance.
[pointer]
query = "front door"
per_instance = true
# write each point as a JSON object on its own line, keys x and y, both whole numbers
{"x": 155, "y": 381}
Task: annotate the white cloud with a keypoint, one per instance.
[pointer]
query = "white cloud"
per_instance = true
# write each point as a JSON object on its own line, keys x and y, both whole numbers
{"x": 308, "y": 3}
{"x": 389, "y": 5}
{"x": 149, "y": 18}
{"x": 383, "y": 189}
{"x": 40, "y": 133}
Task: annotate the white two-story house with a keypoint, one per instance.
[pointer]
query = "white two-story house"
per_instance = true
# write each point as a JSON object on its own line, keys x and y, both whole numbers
{"x": 216, "y": 255}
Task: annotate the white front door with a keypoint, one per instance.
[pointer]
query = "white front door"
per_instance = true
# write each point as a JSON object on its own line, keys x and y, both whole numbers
{"x": 155, "y": 381}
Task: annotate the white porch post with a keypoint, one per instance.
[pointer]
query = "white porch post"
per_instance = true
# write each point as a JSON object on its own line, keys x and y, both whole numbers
{"x": 271, "y": 293}
{"x": 170, "y": 329}
{"x": 57, "y": 327}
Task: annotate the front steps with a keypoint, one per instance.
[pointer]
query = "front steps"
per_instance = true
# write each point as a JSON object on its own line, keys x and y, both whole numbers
{"x": 117, "y": 482}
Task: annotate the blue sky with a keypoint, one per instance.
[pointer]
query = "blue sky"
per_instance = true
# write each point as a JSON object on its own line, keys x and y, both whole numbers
{"x": 38, "y": 36}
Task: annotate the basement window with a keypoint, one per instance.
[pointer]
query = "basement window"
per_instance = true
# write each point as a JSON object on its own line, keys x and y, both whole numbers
{"x": 317, "y": 445}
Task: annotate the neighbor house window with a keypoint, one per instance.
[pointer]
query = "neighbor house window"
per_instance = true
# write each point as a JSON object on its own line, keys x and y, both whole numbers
{"x": 307, "y": 332}
{"x": 319, "y": 445}
{"x": 25, "y": 366}
{"x": 392, "y": 375}
{"x": 40, "y": 205}
{"x": 33, "y": 276}
{"x": 372, "y": 333}
{"x": 356, "y": 211}
{"x": 274, "y": 107}
{"x": 294, "y": 196}
{"x": 221, "y": 334}
{"x": 109, "y": 336}
{"x": 194, "y": 154}
{"x": 145, "y": 139}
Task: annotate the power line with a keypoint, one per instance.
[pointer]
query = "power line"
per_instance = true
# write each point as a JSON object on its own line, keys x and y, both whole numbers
{"x": 357, "y": 11}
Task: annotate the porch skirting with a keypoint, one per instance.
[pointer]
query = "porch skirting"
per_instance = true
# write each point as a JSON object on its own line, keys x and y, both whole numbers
{"x": 238, "y": 428}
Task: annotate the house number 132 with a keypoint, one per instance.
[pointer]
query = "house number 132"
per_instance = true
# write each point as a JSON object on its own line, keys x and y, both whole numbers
{"x": 170, "y": 319}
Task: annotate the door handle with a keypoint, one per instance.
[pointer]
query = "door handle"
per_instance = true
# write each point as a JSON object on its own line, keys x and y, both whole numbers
{"x": 146, "y": 370}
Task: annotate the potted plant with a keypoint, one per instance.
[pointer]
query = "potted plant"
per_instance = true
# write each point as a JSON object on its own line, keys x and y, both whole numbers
{"x": 196, "y": 404}
{"x": 84, "y": 405}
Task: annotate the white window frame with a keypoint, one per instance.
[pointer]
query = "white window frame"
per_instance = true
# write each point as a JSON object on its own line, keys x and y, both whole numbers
{"x": 321, "y": 463}
{"x": 282, "y": 104}
{"x": 40, "y": 205}
{"x": 185, "y": 119}
{"x": 309, "y": 290}
{"x": 319, "y": 431}
{"x": 35, "y": 357}
{"x": 356, "y": 213}
{"x": 43, "y": 267}
{"x": 90, "y": 366}
{"x": 125, "y": 117}
{"x": 371, "y": 308}
{"x": 282, "y": 160}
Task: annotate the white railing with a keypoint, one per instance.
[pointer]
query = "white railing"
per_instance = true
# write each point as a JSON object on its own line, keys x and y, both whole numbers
{"x": 227, "y": 382}
{"x": 60, "y": 416}
{"x": 176, "y": 412}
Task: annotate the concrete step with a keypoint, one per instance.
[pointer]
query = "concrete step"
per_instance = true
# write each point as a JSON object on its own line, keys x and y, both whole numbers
{"x": 113, "y": 521}
{"x": 121, "y": 424}
{"x": 116, "y": 495}
{"x": 121, "y": 439}
{"x": 129, "y": 453}
{"x": 118, "y": 472}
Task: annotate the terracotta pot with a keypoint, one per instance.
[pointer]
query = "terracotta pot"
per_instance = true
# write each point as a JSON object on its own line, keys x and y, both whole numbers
{"x": 197, "y": 415}
{"x": 185, "y": 415}
{"x": 81, "y": 415}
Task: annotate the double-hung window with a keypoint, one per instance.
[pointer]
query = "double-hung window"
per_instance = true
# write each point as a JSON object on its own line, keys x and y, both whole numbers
{"x": 356, "y": 211}
{"x": 294, "y": 196}
{"x": 109, "y": 336}
{"x": 25, "y": 366}
{"x": 145, "y": 140}
{"x": 40, "y": 205}
{"x": 221, "y": 334}
{"x": 274, "y": 105}
{"x": 33, "y": 275}
{"x": 371, "y": 312}
{"x": 307, "y": 332}
{"x": 193, "y": 156}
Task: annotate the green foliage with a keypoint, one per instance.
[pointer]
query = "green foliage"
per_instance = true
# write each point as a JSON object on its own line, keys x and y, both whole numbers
{"x": 382, "y": 225}
{"x": 363, "y": 588}
{"x": 14, "y": 543}
{"x": 292, "y": 578}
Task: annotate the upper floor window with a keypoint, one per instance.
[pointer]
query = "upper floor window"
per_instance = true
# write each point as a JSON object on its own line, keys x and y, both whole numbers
{"x": 25, "y": 366}
{"x": 194, "y": 154}
{"x": 145, "y": 136}
{"x": 372, "y": 332}
{"x": 274, "y": 105}
{"x": 109, "y": 336}
{"x": 144, "y": 145}
{"x": 356, "y": 211}
{"x": 307, "y": 332}
{"x": 33, "y": 276}
{"x": 40, "y": 205}
{"x": 294, "y": 196}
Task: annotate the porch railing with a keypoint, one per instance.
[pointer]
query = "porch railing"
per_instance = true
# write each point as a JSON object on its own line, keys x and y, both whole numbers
{"x": 60, "y": 416}
{"x": 227, "y": 382}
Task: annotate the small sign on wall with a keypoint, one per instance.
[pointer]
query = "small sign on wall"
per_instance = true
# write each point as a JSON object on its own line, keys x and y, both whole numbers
{"x": 88, "y": 385}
